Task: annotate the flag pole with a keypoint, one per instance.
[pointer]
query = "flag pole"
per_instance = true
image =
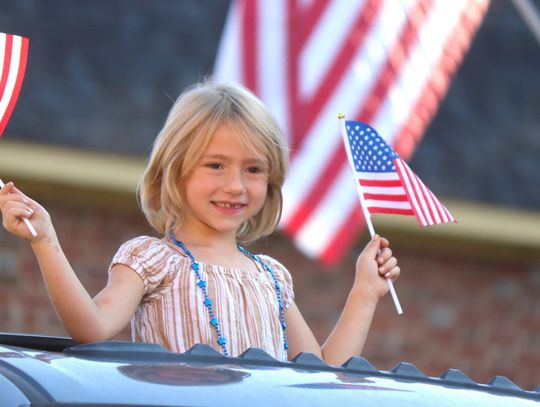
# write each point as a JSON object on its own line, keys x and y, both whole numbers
{"x": 367, "y": 215}
{"x": 26, "y": 221}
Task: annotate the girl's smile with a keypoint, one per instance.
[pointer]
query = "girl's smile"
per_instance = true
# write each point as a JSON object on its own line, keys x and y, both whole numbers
{"x": 229, "y": 207}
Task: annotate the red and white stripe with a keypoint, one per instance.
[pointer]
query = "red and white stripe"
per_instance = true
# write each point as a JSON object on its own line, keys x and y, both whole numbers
{"x": 13, "y": 57}
{"x": 402, "y": 193}
{"x": 386, "y": 63}
{"x": 384, "y": 193}
{"x": 425, "y": 205}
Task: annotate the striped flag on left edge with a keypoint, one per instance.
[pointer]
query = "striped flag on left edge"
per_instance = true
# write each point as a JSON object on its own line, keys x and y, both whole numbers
{"x": 13, "y": 57}
{"x": 387, "y": 184}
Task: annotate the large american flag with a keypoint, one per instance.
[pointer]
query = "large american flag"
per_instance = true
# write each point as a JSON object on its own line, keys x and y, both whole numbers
{"x": 13, "y": 57}
{"x": 388, "y": 63}
{"x": 386, "y": 183}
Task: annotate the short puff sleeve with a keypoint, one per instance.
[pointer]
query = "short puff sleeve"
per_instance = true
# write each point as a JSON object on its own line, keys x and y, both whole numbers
{"x": 152, "y": 260}
{"x": 284, "y": 279}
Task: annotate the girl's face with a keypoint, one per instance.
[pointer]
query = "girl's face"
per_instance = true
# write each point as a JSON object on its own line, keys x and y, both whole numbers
{"x": 225, "y": 188}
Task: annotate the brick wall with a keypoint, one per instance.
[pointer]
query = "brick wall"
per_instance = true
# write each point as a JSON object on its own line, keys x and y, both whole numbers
{"x": 476, "y": 315}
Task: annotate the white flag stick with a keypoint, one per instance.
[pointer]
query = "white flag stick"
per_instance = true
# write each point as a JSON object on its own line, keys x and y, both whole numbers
{"x": 367, "y": 215}
{"x": 26, "y": 221}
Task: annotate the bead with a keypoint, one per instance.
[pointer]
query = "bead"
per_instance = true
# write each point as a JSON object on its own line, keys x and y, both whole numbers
{"x": 222, "y": 341}
{"x": 207, "y": 302}
{"x": 201, "y": 283}
{"x": 214, "y": 322}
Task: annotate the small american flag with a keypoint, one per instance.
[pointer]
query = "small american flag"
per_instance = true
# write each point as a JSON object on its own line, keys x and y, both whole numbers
{"x": 387, "y": 184}
{"x": 13, "y": 57}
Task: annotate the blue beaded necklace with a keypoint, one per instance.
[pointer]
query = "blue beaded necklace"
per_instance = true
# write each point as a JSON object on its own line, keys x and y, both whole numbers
{"x": 222, "y": 342}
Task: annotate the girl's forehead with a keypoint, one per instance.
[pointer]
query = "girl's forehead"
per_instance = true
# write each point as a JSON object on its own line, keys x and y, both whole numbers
{"x": 230, "y": 138}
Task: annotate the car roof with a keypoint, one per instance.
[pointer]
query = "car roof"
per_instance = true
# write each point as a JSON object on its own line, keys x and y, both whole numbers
{"x": 51, "y": 370}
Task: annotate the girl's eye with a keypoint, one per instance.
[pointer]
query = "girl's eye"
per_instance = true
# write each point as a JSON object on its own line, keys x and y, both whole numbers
{"x": 214, "y": 166}
{"x": 255, "y": 170}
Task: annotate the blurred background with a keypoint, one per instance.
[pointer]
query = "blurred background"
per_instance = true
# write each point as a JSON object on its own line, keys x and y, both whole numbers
{"x": 100, "y": 79}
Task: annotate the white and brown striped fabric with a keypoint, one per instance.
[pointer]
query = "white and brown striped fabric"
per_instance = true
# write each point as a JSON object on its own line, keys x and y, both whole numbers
{"x": 172, "y": 313}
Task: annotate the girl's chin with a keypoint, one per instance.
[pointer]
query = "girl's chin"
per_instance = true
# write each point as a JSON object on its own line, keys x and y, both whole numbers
{"x": 225, "y": 226}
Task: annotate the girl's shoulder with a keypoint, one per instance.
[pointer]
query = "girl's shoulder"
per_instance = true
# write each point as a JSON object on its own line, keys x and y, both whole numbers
{"x": 143, "y": 240}
{"x": 283, "y": 276}
{"x": 271, "y": 261}
{"x": 143, "y": 244}
{"x": 148, "y": 250}
{"x": 279, "y": 269}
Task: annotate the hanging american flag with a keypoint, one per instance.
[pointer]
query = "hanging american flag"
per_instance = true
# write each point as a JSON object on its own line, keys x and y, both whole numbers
{"x": 13, "y": 57}
{"x": 389, "y": 63}
{"x": 386, "y": 183}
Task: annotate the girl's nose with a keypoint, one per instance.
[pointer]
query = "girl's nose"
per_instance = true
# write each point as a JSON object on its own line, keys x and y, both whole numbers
{"x": 234, "y": 183}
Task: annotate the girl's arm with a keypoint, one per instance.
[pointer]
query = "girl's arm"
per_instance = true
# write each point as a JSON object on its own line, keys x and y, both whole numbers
{"x": 84, "y": 318}
{"x": 348, "y": 337}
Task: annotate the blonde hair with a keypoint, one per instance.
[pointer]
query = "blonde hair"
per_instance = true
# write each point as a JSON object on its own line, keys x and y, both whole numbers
{"x": 190, "y": 125}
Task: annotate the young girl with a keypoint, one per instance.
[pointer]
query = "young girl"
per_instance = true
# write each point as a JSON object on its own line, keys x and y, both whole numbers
{"x": 213, "y": 184}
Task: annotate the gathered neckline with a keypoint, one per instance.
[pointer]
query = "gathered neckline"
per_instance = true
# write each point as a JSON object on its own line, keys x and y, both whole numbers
{"x": 217, "y": 267}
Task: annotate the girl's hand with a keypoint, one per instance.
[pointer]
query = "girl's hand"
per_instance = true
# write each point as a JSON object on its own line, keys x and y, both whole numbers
{"x": 373, "y": 266}
{"x": 15, "y": 206}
